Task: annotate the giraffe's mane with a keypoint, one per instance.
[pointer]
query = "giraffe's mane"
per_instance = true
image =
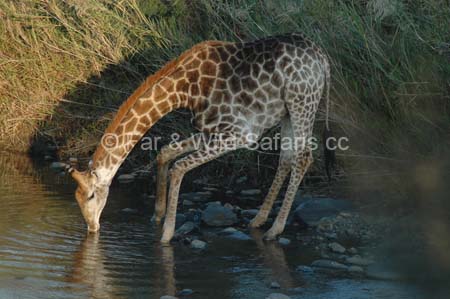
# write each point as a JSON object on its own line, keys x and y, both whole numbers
{"x": 149, "y": 82}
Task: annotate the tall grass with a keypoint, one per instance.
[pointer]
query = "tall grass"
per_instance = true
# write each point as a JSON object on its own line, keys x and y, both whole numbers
{"x": 66, "y": 65}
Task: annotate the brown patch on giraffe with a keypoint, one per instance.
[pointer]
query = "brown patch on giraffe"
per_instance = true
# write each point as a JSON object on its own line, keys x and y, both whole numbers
{"x": 243, "y": 69}
{"x": 249, "y": 84}
{"x": 192, "y": 76}
{"x": 131, "y": 125}
{"x": 208, "y": 68}
{"x": 225, "y": 70}
{"x": 224, "y": 109}
{"x": 206, "y": 85}
{"x": 234, "y": 83}
{"x": 244, "y": 99}
{"x": 194, "y": 90}
{"x": 220, "y": 84}
{"x": 192, "y": 64}
{"x": 211, "y": 115}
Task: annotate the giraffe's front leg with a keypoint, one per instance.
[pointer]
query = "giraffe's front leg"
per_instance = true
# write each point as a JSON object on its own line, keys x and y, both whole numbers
{"x": 176, "y": 177}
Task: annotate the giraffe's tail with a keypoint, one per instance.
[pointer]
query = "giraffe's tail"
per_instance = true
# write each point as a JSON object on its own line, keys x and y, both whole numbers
{"x": 328, "y": 139}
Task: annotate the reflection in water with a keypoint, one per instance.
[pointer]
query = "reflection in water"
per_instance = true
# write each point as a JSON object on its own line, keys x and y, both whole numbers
{"x": 89, "y": 269}
{"x": 166, "y": 257}
{"x": 274, "y": 259}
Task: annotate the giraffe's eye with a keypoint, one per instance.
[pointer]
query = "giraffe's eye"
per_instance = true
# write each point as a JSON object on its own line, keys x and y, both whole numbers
{"x": 91, "y": 196}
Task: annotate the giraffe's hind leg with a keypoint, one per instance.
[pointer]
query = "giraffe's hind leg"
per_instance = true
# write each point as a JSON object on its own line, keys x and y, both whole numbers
{"x": 167, "y": 154}
{"x": 302, "y": 109}
{"x": 284, "y": 167}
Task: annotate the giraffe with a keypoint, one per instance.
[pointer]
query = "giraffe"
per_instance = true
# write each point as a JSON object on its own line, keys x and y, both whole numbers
{"x": 236, "y": 92}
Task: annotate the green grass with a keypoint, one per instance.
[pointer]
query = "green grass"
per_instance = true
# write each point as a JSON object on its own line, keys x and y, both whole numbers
{"x": 64, "y": 67}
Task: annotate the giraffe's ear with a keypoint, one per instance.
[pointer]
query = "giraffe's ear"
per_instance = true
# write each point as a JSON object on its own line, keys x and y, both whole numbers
{"x": 79, "y": 177}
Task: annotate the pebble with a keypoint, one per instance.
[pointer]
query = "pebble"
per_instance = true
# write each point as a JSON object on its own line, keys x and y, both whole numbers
{"x": 353, "y": 250}
{"x": 359, "y": 261}
{"x": 228, "y": 206}
{"x": 187, "y": 202}
{"x": 185, "y": 229}
{"x": 197, "y": 244}
{"x": 355, "y": 269}
{"x": 185, "y": 292}
{"x": 250, "y": 192}
{"x": 278, "y": 296}
{"x": 241, "y": 180}
{"x": 274, "y": 285}
{"x": 125, "y": 178}
{"x": 284, "y": 241}
{"x": 329, "y": 264}
{"x": 249, "y": 213}
{"x": 57, "y": 165}
{"x": 336, "y": 247}
{"x": 129, "y": 210}
{"x": 217, "y": 215}
{"x": 167, "y": 297}
{"x": 304, "y": 269}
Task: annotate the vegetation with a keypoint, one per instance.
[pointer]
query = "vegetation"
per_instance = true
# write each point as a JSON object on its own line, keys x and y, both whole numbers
{"x": 66, "y": 65}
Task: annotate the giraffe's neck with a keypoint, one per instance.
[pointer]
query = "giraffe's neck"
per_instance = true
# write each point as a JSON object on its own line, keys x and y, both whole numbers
{"x": 132, "y": 121}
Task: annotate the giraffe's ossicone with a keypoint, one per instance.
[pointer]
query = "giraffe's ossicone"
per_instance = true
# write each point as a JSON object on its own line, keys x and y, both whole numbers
{"x": 234, "y": 90}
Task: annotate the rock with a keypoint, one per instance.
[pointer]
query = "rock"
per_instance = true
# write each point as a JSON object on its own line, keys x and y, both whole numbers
{"x": 329, "y": 264}
{"x": 185, "y": 229}
{"x": 249, "y": 213}
{"x": 336, "y": 247}
{"x": 210, "y": 189}
{"x": 197, "y": 244}
{"x": 312, "y": 210}
{"x": 214, "y": 203}
{"x": 241, "y": 180}
{"x": 304, "y": 269}
{"x": 284, "y": 241}
{"x": 274, "y": 285}
{"x": 129, "y": 210}
{"x": 359, "y": 261}
{"x": 185, "y": 292}
{"x": 353, "y": 250}
{"x": 235, "y": 234}
{"x": 179, "y": 220}
{"x": 187, "y": 203}
{"x": 377, "y": 271}
{"x": 57, "y": 165}
{"x": 125, "y": 178}
{"x": 355, "y": 269}
{"x": 217, "y": 215}
{"x": 73, "y": 160}
{"x": 250, "y": 192}
{"x": 228, "y": 206}
{"x": 331, "y": 236}
{"x": 278, "y": 296}
{"x": 167, "y": 297}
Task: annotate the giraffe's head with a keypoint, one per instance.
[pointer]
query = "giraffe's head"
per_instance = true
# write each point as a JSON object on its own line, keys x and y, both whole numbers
{"x": 91, "y": 196}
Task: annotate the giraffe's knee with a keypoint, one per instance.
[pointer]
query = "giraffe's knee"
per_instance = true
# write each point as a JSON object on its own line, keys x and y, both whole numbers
{"x": 163, "y": 156}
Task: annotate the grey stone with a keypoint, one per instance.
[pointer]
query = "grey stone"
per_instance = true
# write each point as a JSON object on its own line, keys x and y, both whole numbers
{"x": 125, "y": 178}
{"x": 249, "y": 213}
{"x": 129, "y": 210}
{"x": 353, "y": 250}
{"x": 187, "y": 202}
{"x": 235, "y": 234}
{"x": 284, "y": 241}
{"x": 329, "y": 264}
{"x": 228, "y": 205}
{"x": 355, "y": 269}
{"x": 274, "y": 285}
{"x": 312, "y": 210}
{"x": 185, "y": 229}
{"x": 336, "y": 247}
{"x": 167, "y": 297}
{"x": 217, "y": 215}
{"x": 197, "y": 244}
{"x": 304, "y": 269}
{"x": 185, "y": 292}
{"x": 57, "y": 165}
{"x": 179, "y": 220}
{"x": 250, "y": 192}
{"x": 359, "y": 261}
{"x": 241, "y": 180}
{"x": 278, "y": 296}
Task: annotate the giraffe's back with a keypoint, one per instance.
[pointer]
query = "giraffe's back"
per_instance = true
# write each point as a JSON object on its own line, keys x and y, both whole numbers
{"x": 244, "y": 86}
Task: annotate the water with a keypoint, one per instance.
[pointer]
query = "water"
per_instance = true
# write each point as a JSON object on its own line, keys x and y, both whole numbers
{"x": 46, "y": 253}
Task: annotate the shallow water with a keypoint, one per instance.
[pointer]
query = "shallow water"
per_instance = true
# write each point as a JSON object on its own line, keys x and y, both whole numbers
{"x": 46, "y": 253}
